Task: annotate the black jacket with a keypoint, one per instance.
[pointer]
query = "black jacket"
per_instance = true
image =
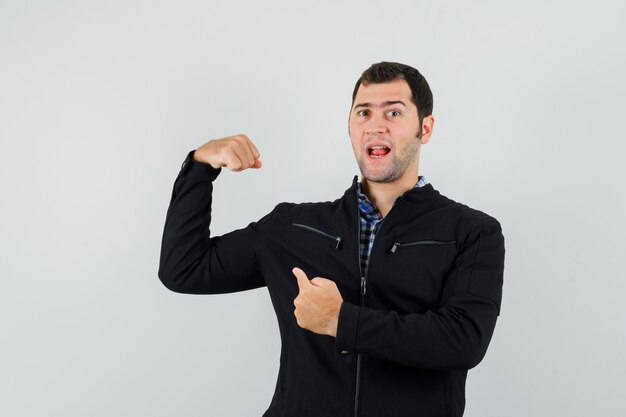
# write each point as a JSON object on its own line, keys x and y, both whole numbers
{"x": 407, "y": 333}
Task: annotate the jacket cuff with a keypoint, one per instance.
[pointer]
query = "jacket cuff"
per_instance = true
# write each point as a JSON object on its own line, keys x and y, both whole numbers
{"x": 198, "y": 170}
{"x": 347, "y": 325}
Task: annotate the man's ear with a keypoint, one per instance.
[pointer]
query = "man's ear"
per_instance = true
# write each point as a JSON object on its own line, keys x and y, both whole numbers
{"x": 427, "y": 128}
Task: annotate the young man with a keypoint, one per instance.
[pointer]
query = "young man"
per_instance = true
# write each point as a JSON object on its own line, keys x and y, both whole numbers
{"x": 406, "y": 283}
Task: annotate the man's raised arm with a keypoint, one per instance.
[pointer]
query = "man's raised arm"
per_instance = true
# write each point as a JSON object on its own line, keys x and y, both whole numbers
{"x": 191, "y": 260}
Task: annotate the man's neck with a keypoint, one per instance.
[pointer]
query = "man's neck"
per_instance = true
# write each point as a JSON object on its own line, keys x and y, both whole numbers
{"x": 383, "y": 194}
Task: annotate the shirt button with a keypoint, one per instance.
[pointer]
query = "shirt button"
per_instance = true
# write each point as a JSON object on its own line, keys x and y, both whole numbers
{"x": 345, "y": 352}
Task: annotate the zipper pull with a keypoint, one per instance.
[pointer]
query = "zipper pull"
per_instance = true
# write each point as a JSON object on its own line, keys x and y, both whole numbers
{"x": 338, "y": 239}
{"x": 393, "y": 248}
{"x": 363, "y": 286}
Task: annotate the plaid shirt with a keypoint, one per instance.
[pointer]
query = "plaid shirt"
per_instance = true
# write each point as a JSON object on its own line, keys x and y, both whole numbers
{"x": 370, "y": 220}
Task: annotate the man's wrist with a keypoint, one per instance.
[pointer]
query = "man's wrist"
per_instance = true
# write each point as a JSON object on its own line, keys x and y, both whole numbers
{"x": 198, "y": 169}
{"x": 334, "y": 322}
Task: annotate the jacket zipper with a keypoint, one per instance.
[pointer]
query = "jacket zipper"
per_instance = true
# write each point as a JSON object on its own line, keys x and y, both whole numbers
{"x": 358, "y": 356}
{"x": 313, "y": 229}
{"x": 363, "y": 292}
{"x": 364, "y": 280}
{"x": 421, "y": 242}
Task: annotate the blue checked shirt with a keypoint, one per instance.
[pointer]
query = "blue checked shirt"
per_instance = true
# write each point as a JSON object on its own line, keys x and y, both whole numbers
{"x": 370, "y": 219}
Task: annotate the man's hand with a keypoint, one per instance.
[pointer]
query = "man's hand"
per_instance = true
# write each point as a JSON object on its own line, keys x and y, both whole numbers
{"x": 234, "y": 152}
{"x": 317, "y": 304}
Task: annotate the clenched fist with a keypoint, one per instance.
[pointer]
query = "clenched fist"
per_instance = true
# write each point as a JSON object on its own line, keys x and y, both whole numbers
{"x": 234, "y": 152}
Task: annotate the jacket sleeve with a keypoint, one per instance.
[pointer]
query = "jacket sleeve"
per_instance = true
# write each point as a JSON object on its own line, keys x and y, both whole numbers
{"x": 455, "y": 335}
{"x": 191, "y": 260}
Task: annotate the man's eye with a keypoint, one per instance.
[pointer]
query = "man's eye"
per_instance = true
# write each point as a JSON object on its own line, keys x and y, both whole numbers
{"x": 362, "y": 113}
{"x": 393, "y": 113}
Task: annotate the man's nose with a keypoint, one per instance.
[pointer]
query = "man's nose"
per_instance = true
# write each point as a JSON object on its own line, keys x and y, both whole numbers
{"x": 371, "y": 130}
{"x": 375, "y": 125}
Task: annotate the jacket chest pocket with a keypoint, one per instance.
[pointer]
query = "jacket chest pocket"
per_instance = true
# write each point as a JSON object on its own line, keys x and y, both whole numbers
{"x": 396, "y": 245}
{"x": 321, "y": 252}
{"x": 332, "y": 239}
{"x": 414, "y": 272}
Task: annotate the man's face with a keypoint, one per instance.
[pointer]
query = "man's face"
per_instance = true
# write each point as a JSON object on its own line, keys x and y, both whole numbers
{"x": 384, "y": 126}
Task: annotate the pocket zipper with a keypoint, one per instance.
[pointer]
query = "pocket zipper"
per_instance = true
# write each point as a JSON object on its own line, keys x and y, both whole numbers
{"x": 313, "y": 229}
{"x": 421, "y": 242}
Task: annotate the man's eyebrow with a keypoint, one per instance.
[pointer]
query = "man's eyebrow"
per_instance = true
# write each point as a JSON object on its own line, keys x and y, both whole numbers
{"x": 384, "y": 104}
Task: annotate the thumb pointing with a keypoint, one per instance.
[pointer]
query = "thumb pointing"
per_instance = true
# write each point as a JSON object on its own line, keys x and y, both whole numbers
{"x": 301, "y": 277}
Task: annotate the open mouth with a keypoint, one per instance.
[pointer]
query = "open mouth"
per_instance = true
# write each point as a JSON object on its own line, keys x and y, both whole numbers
{"x": 377, "y": 151}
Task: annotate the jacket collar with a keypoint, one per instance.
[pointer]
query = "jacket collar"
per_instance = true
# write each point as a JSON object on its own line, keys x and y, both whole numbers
{"x": 415, "y": 194}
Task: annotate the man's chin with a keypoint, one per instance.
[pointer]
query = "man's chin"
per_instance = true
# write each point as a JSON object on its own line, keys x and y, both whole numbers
{"x": 382, "y": 177}
{"x": 378, "y": 174}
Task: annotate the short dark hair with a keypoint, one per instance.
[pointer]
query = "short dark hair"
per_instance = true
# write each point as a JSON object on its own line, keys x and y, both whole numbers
{"x": 384, "y": 71}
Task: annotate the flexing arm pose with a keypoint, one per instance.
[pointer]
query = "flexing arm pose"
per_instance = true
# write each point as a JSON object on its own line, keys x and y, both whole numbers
{"x": 318, "y": 304}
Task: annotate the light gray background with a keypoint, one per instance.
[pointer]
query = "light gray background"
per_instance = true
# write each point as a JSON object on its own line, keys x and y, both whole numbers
{"x": 101, "y": 101}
